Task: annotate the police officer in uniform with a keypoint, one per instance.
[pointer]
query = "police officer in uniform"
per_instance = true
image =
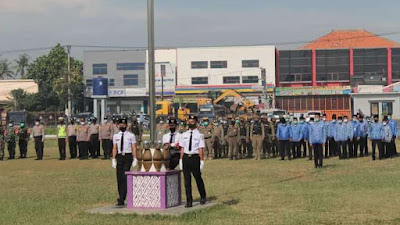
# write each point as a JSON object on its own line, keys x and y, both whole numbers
{"x": 23, "y": 137}
{"x": 224, "y": 149}
{"x": 192, "y": 160}
{"x": 105, "y": 138}
{"x": 171, "y": 141}
{"x": 94, "y": 139}
{"x": 267, "y": 142}
{"x": 233, "y": 137}
{"x": 257, "y": 135}
{"x": 11, "y": 140}
{"x": 61, "y": 136}
{"x": 206, "y": 130}
{"x": 137, "y": 130}
{"x": 38, "y": 135}
{"x": 83, "y": 139}
{"x": 71, "y": 133}
{"x": 217, "y": 137}
{"x": 243, "y": 138}
{"x": 124, "y": 156}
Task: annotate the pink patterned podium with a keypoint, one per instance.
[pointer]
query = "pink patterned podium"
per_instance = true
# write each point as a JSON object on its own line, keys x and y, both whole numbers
{"x": 153, "y": 190}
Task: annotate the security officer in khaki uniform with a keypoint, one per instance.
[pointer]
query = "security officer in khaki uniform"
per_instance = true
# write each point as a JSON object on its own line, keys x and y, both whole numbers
{"x": 206, "y": 130}
{"x": 224, "y": 149}
{"x": 83, "y": 139}
{"x": 94, "y": 139}
{"x": 38, "y": 135}
{"x": 71, "y": 133}
{"x": 257, "y": 135}
{"x": 137, "y": 130}
{"x": 217, "y": 137}
{"x": 233, "y": 137}
{"x": 243, "y": 138}
{"x": 105, "y": 138}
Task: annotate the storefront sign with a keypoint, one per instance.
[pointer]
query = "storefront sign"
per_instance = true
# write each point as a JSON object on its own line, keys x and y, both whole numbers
{"x": 116, "y": 92}
{"x": 297, "y": 91}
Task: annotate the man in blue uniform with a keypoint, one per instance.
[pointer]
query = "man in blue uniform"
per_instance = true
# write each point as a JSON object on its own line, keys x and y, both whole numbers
{"x": 326, "y": 145}
{"x": 393, "y": 126}
{"x": 354, "y": 143}
{"x": 387, "y": 138}
{"x": 341, "y": 138}
{"x": 317, "y": 140}
{"x": 295, "y": 137}
{"x": 283, "y": 136}
{"x": 304, "y": 132}
{"x": 362, "y": 134}
{"x": 331, "y": 137}
{"x": 375, "y": 134}
{"x": 349, "y": 131}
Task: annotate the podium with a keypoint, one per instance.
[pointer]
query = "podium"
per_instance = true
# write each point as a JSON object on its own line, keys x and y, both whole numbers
{"x": 153, "y": 190}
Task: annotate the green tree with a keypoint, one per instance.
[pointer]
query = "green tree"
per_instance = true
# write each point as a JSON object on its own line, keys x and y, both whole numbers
{"x": 20, "y": 100}
{"x": 50, "y": 72}
{"x": 5, "y": 69}
{"x": 22, "y": 64}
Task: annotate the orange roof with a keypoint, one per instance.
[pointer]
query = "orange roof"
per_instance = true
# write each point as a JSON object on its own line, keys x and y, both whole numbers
{"x": 349, "y": 39}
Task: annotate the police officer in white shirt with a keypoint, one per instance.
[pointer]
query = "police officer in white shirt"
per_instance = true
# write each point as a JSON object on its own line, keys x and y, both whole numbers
{"x": 192, "y": 160}
{"x": 124, "y": 156}
{"x": 172, "y": 140}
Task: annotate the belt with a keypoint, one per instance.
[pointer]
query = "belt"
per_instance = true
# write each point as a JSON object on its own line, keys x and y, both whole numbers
{"x": 190, "y": 155}
{"x": 233, "y": 136}
{"x": 38, "y": 136}
{"x": 257, "y": 134}
{"x": 123, "y": 153}
{"x": 207, "y": 137}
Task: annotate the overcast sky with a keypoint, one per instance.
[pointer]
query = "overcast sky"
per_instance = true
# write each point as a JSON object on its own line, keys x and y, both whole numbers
{"x": 42, "y": 23}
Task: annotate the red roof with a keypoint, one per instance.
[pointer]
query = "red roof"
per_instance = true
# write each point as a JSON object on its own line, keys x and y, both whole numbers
{"x": 350, "y": 39}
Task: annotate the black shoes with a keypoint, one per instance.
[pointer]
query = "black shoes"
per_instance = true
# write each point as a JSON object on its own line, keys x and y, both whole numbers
{"x": 203, "y": 201}
{"x": 120, "y": 205}
{"x": 188, "y": 205}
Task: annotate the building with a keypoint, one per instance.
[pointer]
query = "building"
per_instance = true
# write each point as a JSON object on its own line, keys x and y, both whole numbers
{"x": 321, "y": 75}
{"x": 6, "y": 86}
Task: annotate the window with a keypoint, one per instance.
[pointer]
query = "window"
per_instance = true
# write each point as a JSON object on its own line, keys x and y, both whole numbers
{"x": 130, "y": 66}
{"x": 374, "y": 108}
{"x": 111, "y": 82}
{"x": 100, "y": 68}
{"x": 387, "y": 107}
{"x": 250, "y": 79}
{"x": 295, "y": 66}
{"x": 232, "y": 80}
{"x": 333, "y": 65}
{"x": 370, "y": 65}
{"x": 218, "y": 64}
{"x": 199, "y": 80}
{"x": 199, "y": 65}
{"x": 89, "y": 82}
{"x": 250, "y": 63}
{"x": 131, "y": 79}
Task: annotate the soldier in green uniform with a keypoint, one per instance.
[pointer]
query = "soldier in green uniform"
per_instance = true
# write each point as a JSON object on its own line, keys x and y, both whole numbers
{"x": 2, "y": 142}
{"x": 11, "y": 140}
{"x": 23, "y": 138}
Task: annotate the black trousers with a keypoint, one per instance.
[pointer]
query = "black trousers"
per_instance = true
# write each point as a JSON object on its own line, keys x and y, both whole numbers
{"x": 39, "y": 147}
{"x": 386, "y": 149}
{"x": 83, "y": 149}
{"x": 377, "y": 143}
{"x": 191, "y": 165}
{"x": 106, "y": 145}
{"x": 304, "y": 144}
{"x": 72, "y": 146}
{"x": 94, "y": 145}
{"x": 61, "y": 147}
{"x": 124, "y": 163}
{"x": 327, "y": 149}
{"x": 11, "y": 149}
{"x": 353, "y": 147}
{"x": 296, "y": 149}
{"x": 284, "y": 147}
{"x": 174, "y": 161}
{"x": 23, "y": 147}
{"x": 342, "y": 147}
{"x": 392, "y": 148}
{"x": 333, "y": 150}
{"x": 317, "y": 155}
{"x": 363, "y": 146}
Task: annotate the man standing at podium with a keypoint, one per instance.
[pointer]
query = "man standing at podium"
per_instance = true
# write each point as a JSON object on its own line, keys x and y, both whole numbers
{"x": 192, "y": 160}
{"x": 124, "y": 156}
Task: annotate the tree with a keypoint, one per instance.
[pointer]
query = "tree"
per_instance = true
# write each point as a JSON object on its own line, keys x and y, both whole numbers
{"x": 20, "y": 100}
{"x": 50, "y": 72}
{"x": 22, "y": 64}
{"x": 5, "y": 70}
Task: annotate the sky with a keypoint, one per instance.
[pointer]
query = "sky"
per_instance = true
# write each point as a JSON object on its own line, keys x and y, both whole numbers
{"x": 28, "y": 24}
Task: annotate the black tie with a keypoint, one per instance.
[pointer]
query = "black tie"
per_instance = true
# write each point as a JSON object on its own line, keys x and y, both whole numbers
{"x": 122, "y": 143}
{"x": 170, "y": 140}
{"x": 190, "y": 141}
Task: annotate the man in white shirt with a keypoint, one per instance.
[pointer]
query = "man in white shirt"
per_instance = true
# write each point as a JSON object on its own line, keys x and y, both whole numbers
{"x": 172, "y": 140}
{"x": 124, "y": 156}
{"x": 192, "y": 160}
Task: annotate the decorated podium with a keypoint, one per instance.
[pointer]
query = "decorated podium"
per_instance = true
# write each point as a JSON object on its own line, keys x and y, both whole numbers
{"x": 153, "y": 186}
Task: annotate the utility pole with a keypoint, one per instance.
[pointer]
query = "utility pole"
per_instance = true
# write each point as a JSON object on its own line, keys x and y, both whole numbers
{"x": 162, "y": 81}
{"x": 152, "y": 92}
{"x": 264, "y": 84}
{"x": 69, "y": 82}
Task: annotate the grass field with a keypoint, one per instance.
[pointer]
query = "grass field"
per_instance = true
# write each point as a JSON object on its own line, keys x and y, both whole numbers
{"x": 358, "y": 191}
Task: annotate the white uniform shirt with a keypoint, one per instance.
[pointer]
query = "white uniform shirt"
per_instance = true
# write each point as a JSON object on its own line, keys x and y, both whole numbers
{"x": 129, "y": 140}
{"x": 175, "y": 139}
{"x": 197, "y": 141}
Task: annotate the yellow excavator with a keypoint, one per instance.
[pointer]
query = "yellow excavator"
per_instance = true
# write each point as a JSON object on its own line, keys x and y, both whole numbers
{"x": 244, "y": 103}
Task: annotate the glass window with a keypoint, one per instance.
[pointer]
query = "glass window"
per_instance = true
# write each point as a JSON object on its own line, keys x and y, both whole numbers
{"x": 387, "y": 107}
{"x": 250, "y": 79}
{"x": 250, "y": 63}
{"x": 231, "y": 80}
{"x": 130, "y": 66}
{"x": 111, "y": 82}
{"x": 100, "y": 68}
{"x": 131, "y": 79}
{"x": 89, "y": 82}
{"x": 295, "y": 66}
{"x": 199, "y": 80}
{"x": 199, "y": 65}
{"x": 219, "y": 64}
{"x": 374, "y": 108}
{"x": 370, "y": 65}
{"x": 333, "y": 65}
{"x": 396, "y": 64}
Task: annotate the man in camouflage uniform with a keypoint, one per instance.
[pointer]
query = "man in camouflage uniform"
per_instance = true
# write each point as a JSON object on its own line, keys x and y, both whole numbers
{"x": 233, "y": 137}
{"x": 11, "y": 136}
{"x": 268, "y": 139}
{"x": 274, "y": 140}
{"x": 2, "y": 142}
{"x": 23, "y": 138}
{"x": 243, "y": 138}
{"x": 206, "y": 130}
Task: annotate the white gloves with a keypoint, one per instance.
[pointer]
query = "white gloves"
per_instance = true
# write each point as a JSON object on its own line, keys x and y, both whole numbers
{"x": 181, "y": 164}
{"x": 173, "y": 145}
{"x": 114, "y": 163}
{"x": 134, "y": 163}
{"x": 201, "y": 165}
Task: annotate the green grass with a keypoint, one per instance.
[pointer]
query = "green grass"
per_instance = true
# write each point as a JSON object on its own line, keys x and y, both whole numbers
{"x": 357, "y": 191}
